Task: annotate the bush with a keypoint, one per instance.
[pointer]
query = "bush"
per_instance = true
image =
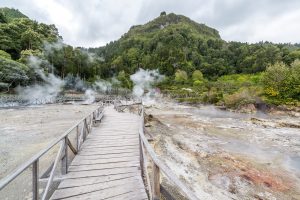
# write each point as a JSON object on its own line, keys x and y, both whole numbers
{"x": 181, "y": 76}
{"x": 197, "y": 83}
{"x": 212, "y": 96}
{"x": 282, "y": 82}
{"x": 197, "y": 76}
{"x": 3, "y": 54}
{"x": 242, "y": 97}
{"x": 12, "y": 73}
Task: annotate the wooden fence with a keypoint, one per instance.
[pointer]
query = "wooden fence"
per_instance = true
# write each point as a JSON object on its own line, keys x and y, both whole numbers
{"x": 153, "y": 180}
{"x": 82, "y": 128}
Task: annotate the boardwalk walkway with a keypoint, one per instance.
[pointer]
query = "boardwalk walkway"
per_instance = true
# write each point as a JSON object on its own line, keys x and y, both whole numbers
{"x": 107, "y": 166}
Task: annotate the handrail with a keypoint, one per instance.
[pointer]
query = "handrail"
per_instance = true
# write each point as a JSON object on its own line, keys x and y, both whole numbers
{"x": 158, "y": 165}
{"x": 64, "y": 138}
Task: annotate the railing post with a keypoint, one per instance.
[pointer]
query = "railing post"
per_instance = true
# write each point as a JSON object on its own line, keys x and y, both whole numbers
{"x": 141, "y": 156}
{"x": 156, "y": 182}
{"x": 66, "y": 155}
{"x": 77, "y": 137}
{"x": 35, "y": 180}
{"x": 84, "y": 129}
{"x": 94, "y": 118}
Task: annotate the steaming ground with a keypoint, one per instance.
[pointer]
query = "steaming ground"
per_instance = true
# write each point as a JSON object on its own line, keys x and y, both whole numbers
{"x": 226, "y": 155}
{"x": 25, "y": 131}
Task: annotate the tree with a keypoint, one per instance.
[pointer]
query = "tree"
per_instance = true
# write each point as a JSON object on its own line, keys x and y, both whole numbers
{"x": 181, "y": 76}
{"x": 197, "y": 75}
{"x": 294, "y": 55}
{"x": 275, "y": 80}
{"x": 3, "y": 54}
{"x": 2, "y": 18}
{"x": 124, "y": 79}
{"x": 31, "y": 39}
{"x": 163, "y": 13}
{"x": 25, "y": 54}
{"x": 294, "y": 80}
{"x": 12, "y": 73}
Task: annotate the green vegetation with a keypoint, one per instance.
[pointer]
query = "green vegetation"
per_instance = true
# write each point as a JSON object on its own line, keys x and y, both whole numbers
{"x": 9, "y": 14}
{"x": 282, "y": 83}
{"x": 197, "y": 63}
{"x": 12, "y": 73}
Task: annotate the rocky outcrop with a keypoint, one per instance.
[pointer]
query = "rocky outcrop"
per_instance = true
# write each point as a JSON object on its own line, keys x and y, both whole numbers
{"x": 247, "y": 108}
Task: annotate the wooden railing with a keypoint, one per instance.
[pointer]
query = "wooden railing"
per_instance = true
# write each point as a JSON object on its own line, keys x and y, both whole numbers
{"x": 153, "y": 180}
{"x": 82, "y": 128}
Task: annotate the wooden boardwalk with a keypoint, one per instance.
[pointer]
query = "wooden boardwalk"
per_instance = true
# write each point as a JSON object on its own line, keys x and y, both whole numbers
{"x": 108, "y": 165}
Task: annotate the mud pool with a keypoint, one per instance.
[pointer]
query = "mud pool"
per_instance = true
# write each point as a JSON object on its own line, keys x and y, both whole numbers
{"x": 226, "y": 155}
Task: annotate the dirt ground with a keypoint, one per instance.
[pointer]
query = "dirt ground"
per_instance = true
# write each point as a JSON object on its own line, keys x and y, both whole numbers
{"x": 24, "y": 131}
{"x": 224, "y": 155}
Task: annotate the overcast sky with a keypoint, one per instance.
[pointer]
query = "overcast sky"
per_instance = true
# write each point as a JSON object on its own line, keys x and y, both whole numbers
{"x": 96, "y": 22}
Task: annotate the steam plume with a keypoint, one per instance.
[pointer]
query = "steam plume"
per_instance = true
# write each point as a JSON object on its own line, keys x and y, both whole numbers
{"x": 50, "y": 88}
{"x": 143, "y": 81}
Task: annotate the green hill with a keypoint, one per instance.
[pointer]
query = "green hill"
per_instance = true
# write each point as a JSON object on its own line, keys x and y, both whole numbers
{"x": 168, "y": 42}
{"x": 173, "y": 22}
{"x": 189, "y": 54}
{"x": 11, "y": 13}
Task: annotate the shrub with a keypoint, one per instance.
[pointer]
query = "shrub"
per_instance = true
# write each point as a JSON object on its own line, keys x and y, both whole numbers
{"x": 243, "y": 96}
{"x": 197, "y": 75}
{"x": 181, "y": 76}
{"x": 3, "y": 54}
{"x": 197, "y": 83}
{"x": 12, "y": 73}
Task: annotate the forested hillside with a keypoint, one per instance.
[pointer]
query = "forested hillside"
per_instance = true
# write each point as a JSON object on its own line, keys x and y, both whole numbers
{"x": 9, "y": 14}
{"x": 190, "y": 55}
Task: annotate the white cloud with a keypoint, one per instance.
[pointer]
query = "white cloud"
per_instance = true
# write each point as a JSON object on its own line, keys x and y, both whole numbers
{"x": 97, "y": 22}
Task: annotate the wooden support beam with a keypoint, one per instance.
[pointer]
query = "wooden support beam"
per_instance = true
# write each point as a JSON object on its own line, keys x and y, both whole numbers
{"x": 155, "y": 182}
{"x": 48, "y": 170}
{"x": 55, "y": 179}
{"x": 65, "y": 163}
{"x": 35, "y": 180}
{"x": 71, "y": 146}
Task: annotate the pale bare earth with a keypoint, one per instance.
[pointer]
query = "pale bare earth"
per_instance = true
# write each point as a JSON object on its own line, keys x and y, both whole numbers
{"x": 228, "y": 155}
{"x": 25, "y": 131}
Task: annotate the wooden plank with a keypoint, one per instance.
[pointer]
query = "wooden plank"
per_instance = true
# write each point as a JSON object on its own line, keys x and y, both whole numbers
{"x": 128, "y": 196}
{"x": 107, "y": 167}
{"x": 68, "y": 183}
{"x": 110, "y": 142}
{"x": 135, "y": 137}
{"x": 99, "y": 148}
{"x": 93, "y": 153}
{"x": 123, "y": 140}
{"x": 83, "y": 190}
{"x": 104, "y": 172}
{"x": 108, "y": 192}
{"x": 102, "y": 166}
{"x": 110, "y": 146}
{"x": 105, "y": 134}
{"x": 92, "y": 157}
{"x": 104, "y": 161}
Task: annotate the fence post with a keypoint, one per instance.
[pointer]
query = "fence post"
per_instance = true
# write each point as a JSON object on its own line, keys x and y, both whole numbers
{"x": 84, "y": 129}
{"x": 77, "y": 137}
{"x": 156, "y": 182}
{"x": 65, "y": 157}
{"x": 35, "y": 180}
{"x": 141, "y": 156}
